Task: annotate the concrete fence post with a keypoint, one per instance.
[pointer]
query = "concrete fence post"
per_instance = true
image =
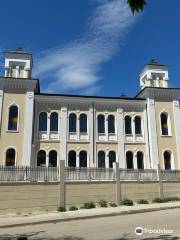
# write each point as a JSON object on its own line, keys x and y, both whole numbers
{"x": 118, "y": 183}
{"x": 62, "y": 184}
{"x": 161, "y": 192}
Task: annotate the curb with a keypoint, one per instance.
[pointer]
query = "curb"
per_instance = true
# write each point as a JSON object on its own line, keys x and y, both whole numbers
{"x": 126, "y": 212}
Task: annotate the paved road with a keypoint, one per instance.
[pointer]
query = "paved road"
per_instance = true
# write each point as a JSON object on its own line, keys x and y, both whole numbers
{"x": 106, "y": 228}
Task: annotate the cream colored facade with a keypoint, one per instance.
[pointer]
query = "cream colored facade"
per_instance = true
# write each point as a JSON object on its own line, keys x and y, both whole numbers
{"x": 42, "y": 129}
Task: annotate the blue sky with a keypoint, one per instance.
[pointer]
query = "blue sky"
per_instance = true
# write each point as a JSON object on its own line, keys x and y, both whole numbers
{"x": 93, "y": 47}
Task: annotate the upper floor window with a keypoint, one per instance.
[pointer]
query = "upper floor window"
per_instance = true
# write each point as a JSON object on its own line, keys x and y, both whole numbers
{"x": 54, "y": 122}
{"x": 10, "y": 157}
{"x": 128, "y": 126}
{"x": 83, "y": 123}
{"x": 72, "y": 122}
{"x": 111, "y": 127}
{"x": 13, "y": 118}
{"x": 43, "y": 122}
{"x": 101, "y": 123}
{"x": 138, "y": 129}
{"x": 164, "y": 123}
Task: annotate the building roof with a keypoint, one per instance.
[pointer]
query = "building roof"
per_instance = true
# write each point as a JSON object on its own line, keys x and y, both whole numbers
{"x": 155, "y": 63}
{"x": 19, "y": 51}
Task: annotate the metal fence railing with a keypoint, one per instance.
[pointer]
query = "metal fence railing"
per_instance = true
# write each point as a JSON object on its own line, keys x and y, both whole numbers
{"x": 133, "y": 174}
{"x": 51, "y": 174}
{"x": 170, "y": 175}
{"x": 75, "y": 174}
{"x": 32, "y": 174}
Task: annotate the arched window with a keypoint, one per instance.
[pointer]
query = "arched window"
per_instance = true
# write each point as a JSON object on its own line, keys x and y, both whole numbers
{"x": 164, "y": 123}
{"x": 138, "y": 129}
{"x": 128, "y": 127}
{"x": 129, "y": 160}
{"x": 13, "y": 118}
{"x": 167, "y": 160}
{"x": 101, "y": 124}
{"x": 111, "y": 127}
{"x": 10, "y": 157}
{"x": 101, "y": 159}
{"x": 72, "y": 122}
{"x": 140, "y": 161}
{"x": 54, "y": 122}
{"x": 52, "y": 158}
{"x": 83, "y": 123}
{"x": 83, "y": 159}
{"x": 43, "y": 122}
{"x": 112, "y": 158}
{"x": 41, "y": 158}
{"x": 72, "y": 159}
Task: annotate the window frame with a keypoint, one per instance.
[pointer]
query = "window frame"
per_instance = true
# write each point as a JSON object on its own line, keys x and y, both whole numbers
{"x": 46, "y": 122}
{"x": 18, "y": 118}
{"x": 50, "y": 122}
{"x": 168, "y": 123}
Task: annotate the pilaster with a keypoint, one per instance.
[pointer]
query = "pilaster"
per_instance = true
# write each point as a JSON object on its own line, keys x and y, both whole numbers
{"x": 153, "y": 144}
{"x": 120, "y": 136}
{"x": 28, "y": 128}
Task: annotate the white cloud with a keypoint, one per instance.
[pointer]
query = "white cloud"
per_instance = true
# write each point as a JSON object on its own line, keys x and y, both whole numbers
{"x": 77, "y": 65}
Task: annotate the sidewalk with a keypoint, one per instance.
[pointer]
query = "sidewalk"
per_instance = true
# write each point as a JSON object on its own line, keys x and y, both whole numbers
{"x": 13, "y": 221}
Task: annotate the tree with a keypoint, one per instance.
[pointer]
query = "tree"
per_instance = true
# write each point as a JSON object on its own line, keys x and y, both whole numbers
{"x": 136, "y": 5}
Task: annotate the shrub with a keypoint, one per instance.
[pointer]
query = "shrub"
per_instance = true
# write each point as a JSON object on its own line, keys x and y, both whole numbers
{"x": 157, "y": 200}
{"x": 127, "y": 202}
{"x": 89, "y": 205}
{"x": 169, "y": 199}
{"x": 73, "y": 208}
{"x": 62, "y": 209}
{"x": 112, "y": 204}
{"x": 143, "y": 201}
{"x": 103, "y": 203}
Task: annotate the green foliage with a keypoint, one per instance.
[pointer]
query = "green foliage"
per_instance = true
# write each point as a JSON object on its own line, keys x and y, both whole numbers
{"x": 89, "y": 205}
{"x": 103, "y": 203}
{"x": 62, "y": 209}
{"x": 112, "y": 204}
{"x": 73, "y": 208}
{"x": 127, "y": 202}
{"x": 167, "y": 199}
{"x": 136, "y": 5}
{"x": 143, "y": 201}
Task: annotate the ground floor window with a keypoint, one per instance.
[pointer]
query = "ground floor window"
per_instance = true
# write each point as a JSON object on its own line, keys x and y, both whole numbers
{"x": 129, "y": 160}
{"x": 167, "y": 160}
{"x": 140, "y": 161}
{"x": 83, "y": 158}
{"x": 10, "y": 157}
{"x": 112, "y": 158}
{"x": 72, "y": 159}
{"x": 101, "y": 159}
{"x": 52, "y": 158}
{"x": 41, "y": 158}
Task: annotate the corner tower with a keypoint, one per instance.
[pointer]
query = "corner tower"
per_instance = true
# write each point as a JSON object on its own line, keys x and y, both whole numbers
{"x": 17, "y": 90}
{"x": 18, "y": 64}
{"x": 154, "y": 74}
